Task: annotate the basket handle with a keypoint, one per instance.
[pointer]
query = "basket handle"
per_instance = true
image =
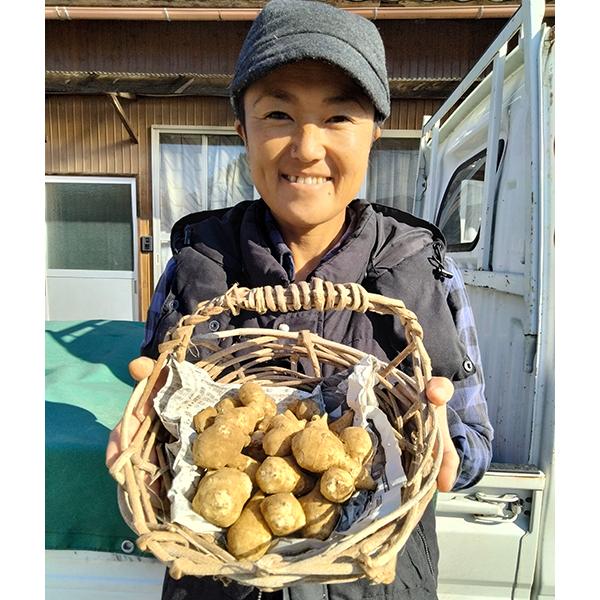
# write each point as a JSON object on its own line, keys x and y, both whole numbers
{"x": 319, "y": 295}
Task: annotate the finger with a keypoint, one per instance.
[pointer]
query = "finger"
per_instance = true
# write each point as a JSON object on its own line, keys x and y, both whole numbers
{"x": 117, "y": 437}
{"x": 441, "y": 413}
{"x": 448, "y": 470}
{"x": 144, "y": 409}
{"x": 113, "y": 448}
{"x": 140, "y": 367}
{"x": 439, "y": 390}
{"x": 450, "y": 462}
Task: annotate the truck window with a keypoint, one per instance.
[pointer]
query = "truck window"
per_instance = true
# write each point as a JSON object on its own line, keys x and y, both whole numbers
{"x": 459, "y": 217}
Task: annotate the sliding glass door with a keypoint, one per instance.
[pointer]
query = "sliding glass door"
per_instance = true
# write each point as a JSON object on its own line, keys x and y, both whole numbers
{"x": 91, "y": 259}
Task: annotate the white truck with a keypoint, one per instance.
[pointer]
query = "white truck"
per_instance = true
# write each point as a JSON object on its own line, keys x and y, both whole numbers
{"x": 486, "y": 178}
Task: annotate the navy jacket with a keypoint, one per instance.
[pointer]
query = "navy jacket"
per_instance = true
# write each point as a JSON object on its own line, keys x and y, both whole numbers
{"x": 390, "y": 253}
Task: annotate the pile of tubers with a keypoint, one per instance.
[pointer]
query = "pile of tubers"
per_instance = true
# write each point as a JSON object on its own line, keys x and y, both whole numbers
{"x": 270, "y": 475}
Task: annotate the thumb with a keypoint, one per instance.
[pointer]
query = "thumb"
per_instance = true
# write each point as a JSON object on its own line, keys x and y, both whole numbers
{"x": 439, "y": 390}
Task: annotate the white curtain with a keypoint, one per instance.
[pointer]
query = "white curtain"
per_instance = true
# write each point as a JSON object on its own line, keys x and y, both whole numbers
{"x": 199, "y": 172}
{"x": 392, "y": 172}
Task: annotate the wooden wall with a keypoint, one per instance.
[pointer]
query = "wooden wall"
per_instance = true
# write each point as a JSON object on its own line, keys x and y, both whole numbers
{"x": 413, "y": 48}
{"x": 84, "y": 135}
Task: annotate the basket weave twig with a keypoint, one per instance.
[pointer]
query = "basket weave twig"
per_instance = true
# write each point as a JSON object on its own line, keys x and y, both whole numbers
{"x": 142, "y": 469}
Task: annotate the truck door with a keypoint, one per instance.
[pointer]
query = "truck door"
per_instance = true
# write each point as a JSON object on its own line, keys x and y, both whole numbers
{"x": 485, "y": 178}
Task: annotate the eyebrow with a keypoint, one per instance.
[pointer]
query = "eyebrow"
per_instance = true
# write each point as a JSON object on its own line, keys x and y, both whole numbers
{"x": 277, "y": 94}
{"x": 280, "y": 94}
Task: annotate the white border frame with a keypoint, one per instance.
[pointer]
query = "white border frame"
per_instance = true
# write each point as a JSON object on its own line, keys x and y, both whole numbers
{"x": 131, "y": 181}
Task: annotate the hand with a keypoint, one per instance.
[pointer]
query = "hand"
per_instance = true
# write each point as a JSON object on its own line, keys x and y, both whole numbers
{"x": 439, "y": 390}
{"x": 139, "y": 368}
{"x": 113, "y": 448}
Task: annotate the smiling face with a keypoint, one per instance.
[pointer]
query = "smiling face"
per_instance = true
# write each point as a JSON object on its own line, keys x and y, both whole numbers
{"x": 308, "y": 132}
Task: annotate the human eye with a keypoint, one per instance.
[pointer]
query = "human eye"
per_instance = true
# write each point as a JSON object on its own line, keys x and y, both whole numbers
{"x": 340, "y": 119}
{"x": 277, "y": 115}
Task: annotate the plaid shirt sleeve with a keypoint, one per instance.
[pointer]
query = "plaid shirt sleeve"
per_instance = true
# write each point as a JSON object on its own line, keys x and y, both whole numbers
{"x": 468, "y": 420}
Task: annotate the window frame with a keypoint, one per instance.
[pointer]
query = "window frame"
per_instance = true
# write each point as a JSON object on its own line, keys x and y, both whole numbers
{"x": 468, "y": 247}
{"x": 117, "y": 274}
{"x": 226, "y": 130}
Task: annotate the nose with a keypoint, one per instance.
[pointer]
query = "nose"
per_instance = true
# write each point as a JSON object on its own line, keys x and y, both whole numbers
{"x": 307, "y": 143}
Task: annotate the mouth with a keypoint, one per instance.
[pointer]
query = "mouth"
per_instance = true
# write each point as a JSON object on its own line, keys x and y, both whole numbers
{"x": 306, "y": 180}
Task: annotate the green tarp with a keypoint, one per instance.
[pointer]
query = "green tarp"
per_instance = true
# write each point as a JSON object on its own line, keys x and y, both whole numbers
{"x": 87, "y": 388}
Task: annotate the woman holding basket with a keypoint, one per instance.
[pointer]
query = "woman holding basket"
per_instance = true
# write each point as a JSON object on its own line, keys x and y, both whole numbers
{"x": 310, "y": 93}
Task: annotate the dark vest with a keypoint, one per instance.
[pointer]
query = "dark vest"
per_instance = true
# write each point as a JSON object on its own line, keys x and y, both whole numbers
{"x": 390, "y": 253}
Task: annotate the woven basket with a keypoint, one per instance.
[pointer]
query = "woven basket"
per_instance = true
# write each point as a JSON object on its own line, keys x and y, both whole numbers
{"x": 143, "y": 475}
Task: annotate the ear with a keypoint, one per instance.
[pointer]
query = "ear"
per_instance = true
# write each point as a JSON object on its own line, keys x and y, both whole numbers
{"x": 376, "y": 133}
{"x": 239, "y": 128}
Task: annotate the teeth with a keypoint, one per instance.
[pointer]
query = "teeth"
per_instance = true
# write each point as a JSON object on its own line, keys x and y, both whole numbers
{"x": 306, "y": 180}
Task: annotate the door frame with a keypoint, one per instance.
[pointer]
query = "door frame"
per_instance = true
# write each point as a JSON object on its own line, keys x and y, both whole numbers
{"x": 101, "y": 179}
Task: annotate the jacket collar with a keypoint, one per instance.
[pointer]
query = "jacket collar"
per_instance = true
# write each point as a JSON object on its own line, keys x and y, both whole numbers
{"x": 347, "y": 264}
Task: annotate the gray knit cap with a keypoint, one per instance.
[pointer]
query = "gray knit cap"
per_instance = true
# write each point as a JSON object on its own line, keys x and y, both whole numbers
{"x": 287, "y": 31}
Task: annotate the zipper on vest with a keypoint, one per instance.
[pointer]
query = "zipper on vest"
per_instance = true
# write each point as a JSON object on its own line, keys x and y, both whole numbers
{"x": 437, "y": 263}
{"x": 187, "y": 235}
{"x": 425, "y": 546}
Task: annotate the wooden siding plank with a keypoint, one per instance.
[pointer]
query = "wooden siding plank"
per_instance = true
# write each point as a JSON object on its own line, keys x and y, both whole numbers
{"x": 94, "y": 134}
{"x": 88, "y": 149}
{"x": 141, "y": 133}
{"x": 49, "y": 139}
{"x": 69, "y": 155}
{"x": 76, "y": 140}
{"x": 102, "y": 134}
{"x": 122, "y": 142}
{"x": 58, "y": 167}
{"x": 112, "y": 141}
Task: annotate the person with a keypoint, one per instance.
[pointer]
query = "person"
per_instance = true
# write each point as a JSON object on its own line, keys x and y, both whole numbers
{"x": 310, "y": 94}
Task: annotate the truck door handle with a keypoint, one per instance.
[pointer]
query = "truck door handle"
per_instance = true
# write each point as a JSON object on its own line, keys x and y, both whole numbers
{"x": 484, "y": 508}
